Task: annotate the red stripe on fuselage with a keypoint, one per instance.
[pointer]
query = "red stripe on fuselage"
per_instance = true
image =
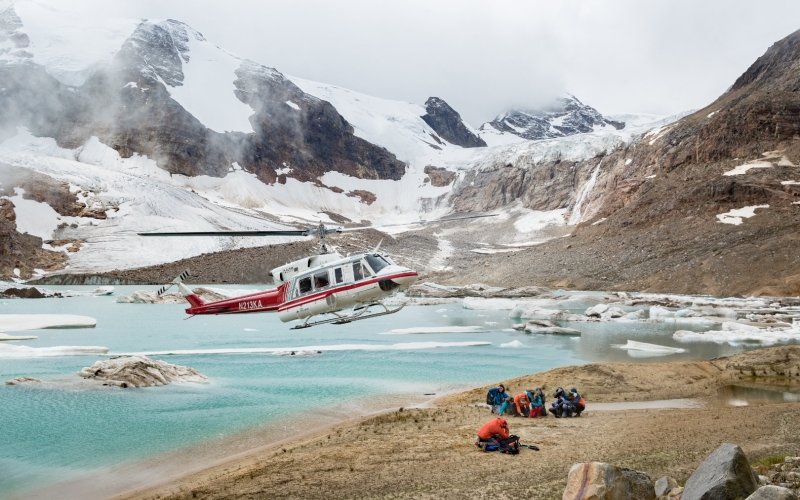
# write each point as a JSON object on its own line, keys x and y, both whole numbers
{"x": 266, "y": 301}
{"x": 356, "y": 284}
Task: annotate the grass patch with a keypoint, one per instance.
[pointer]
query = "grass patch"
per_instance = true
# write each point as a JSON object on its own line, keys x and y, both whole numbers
{"x": 770, "y": 460}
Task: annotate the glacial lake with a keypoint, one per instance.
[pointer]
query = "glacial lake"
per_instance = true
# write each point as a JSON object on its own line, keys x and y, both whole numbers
{"x": 114, "y": 438}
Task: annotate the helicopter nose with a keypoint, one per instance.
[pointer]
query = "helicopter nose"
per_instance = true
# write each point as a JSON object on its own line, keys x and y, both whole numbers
{"x": 408, "y": 280}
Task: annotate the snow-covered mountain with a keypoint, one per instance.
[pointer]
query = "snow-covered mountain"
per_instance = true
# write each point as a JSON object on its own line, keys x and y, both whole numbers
{"x": 148, "y": 125}
{"x": 565, "y": 116}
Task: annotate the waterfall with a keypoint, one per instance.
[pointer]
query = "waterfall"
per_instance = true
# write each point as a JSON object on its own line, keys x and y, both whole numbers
{"x": 586, "y": 189}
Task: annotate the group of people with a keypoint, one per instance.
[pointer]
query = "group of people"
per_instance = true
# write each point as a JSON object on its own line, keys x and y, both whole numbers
{"x": 530, "y": 403}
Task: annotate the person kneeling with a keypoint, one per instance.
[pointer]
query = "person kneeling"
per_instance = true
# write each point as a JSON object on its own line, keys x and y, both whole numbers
{"x": 496, "y": 436}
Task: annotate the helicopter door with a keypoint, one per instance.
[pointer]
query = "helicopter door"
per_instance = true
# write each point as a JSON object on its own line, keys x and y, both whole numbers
{"x": 358, "y": 275}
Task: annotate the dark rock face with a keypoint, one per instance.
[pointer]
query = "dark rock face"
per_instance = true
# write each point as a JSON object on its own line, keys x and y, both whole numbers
{"x": 567, "y": 116}
{"x": 724, "y": 475}
{"x": 448, "y": 124}
{"x": 129, "y": 108}
{"x": 22, "y": 251}
{"x": 439, "y": 176}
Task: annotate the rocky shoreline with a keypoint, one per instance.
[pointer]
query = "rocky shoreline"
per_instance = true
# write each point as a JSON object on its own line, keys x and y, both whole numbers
{"x": 429, "y": 452}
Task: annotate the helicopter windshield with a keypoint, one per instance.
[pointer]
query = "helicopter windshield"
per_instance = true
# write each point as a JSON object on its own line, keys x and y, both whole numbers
{"x": 376, "y": 262}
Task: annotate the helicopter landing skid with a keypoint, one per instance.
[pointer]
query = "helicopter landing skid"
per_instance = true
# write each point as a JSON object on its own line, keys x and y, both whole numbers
{"x": 358, "y": 314}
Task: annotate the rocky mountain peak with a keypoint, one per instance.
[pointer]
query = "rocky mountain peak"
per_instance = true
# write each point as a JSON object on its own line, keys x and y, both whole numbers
{"x": 777, "y": 69}
{"x": 161, "y": 49}
{"x": 566, "y": 115}
{"x": 448, "y": 124}
{"x": 11, "y": 31}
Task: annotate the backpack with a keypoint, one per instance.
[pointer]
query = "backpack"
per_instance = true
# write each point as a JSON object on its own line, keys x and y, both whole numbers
{"x": 489, "y": 399}
{"x": 509, "y": 445}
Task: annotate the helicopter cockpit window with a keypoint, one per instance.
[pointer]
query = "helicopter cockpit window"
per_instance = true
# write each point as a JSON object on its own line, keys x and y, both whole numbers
{"x": 367, "y": 271}
{"x": 321, "y": 280}
{"x": 338, "y": 276}
{"x": 357, "y": 274}
{"x": 304, "y": 285}
{"x": 376, "y": 262}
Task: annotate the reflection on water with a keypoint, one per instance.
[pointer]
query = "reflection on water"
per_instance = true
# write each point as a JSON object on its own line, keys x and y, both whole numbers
{"x": 737, "y": 395}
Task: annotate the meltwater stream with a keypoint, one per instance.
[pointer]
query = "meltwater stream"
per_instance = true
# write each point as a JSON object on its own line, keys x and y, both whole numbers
{"x": 62, "y": 430}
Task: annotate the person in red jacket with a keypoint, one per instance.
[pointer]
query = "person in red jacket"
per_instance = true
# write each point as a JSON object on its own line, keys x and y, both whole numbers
{"x": 497, "y": 428}
{"x": 523, "y": 404}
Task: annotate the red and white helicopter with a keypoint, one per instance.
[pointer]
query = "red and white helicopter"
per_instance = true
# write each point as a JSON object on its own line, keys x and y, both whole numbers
{"x": 328, "y": 284}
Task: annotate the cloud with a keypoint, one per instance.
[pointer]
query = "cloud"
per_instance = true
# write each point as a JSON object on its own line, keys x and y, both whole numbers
{"x": 485, "y": 56}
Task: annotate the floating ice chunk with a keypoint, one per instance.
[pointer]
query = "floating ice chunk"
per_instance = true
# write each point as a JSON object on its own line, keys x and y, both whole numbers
{"x": 660, "y": 312}
{"x": 742, "y": 169}
{"x": 663, "y": 350}
{"x": 404, "y": 346}
{"x": 480, "y": 304}
{"x": 536, "y": 312}
{"x": 767, "y": 336}
{"x": 440, "y": 329}
{"x": 635, "y": 315}
{"x": 442, "y": 310}
{"x": 732, "y": 326}
{"x": 596, "y": 311}
{"x": 16, "y": 322}
{"x": 3, "y": 337}
{"x": 513, "y": 343}
{"x": 303, "y": 353}
{"x": 250, "y": 330}
{"x": 22, "y": 351}
{"x": 735, "y": 216}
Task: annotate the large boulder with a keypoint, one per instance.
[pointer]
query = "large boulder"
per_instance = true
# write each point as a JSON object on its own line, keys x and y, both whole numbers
{"x": 725, "y": 475}
{"x": 599, "y": 481}
{"x": 140, "y": 371}
{"x": 772, "y": 492}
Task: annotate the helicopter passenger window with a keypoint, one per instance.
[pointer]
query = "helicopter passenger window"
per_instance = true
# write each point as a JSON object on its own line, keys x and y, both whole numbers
{"x": 304, "y": 285}
{"x": 357, "y": 274}
{"x": 376, "y": 262}
{"x": 366, "y": 269}
{"x": 337, "y": 274}
{"x": 321, "y": 280}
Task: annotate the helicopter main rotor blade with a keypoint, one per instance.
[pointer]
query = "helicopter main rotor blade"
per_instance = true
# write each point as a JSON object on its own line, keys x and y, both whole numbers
{"x": 419, "y": 222}
{"x": 303, "y": 232}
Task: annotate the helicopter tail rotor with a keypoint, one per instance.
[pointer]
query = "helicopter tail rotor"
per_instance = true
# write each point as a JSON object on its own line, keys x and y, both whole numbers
{"x": 177, "y": 281}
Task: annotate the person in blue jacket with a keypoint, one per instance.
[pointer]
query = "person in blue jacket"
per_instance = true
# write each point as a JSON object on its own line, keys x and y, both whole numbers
{"x": 537, "y": 403}
{"x": 498, "y": 398}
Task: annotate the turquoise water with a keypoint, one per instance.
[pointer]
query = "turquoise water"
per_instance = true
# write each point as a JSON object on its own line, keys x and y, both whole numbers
{"x": 61, "y": 431}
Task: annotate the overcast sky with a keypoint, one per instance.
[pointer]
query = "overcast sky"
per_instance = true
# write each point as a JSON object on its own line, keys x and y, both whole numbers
{"x": 482, "y": 57}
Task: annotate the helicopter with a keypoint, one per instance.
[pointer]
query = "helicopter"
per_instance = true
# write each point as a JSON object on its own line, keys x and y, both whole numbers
{"x": 319, "y": 289}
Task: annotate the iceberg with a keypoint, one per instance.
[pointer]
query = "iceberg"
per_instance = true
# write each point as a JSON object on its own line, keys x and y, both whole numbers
{"x": 16, "y": 322}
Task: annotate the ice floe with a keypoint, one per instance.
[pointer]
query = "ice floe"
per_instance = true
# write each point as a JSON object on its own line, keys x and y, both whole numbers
{"x": 4, "y": 336}
{"x": 22, "y": 351}
{"x": 338, "y": 347}
{"x": 16, "y": 322}
{"x": 650, "y": 349}
{"x": 513, "y": 343}
{"x": 735, "y": 333}
{"x": 440, "y": 329}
